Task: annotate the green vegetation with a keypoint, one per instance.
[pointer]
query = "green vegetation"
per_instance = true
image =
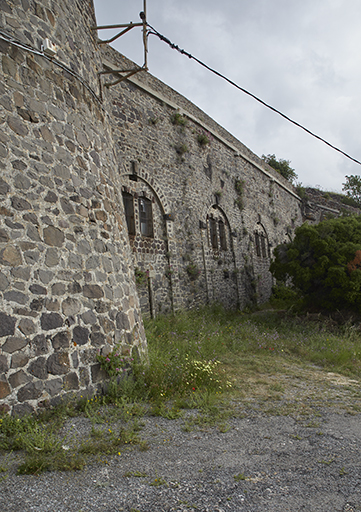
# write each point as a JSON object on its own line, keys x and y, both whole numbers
{"x": 203, "y": 139}
{"x": 323, "y": 263}
{"x": 179, "y": 120}
{"x": 182, "y": 149}
{"x": 281, "y": 166}
{"x": 239, "y": 188}
{"x": 352, "y": 187}
{"x": 218, "y": 363}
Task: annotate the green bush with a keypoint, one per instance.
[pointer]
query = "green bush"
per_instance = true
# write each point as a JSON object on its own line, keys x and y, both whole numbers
{"x": 322, "y": 262}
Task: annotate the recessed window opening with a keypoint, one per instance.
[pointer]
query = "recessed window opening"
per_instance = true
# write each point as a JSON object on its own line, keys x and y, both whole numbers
{"x": 257, "y": 242}
{"x": 263, "y": 246}
{"x": 213, "y": 233}
{"x": 145, "y": 217}
{"x": 129, "y": 212}
{"x": 222, "y": 235}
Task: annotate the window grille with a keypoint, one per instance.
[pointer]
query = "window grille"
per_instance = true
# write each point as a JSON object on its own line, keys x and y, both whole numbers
{"x": 258, "y": 247}
{"x": 213, "y": 233}
{"x": 145, "y": 217}
{"x": 222, "y": 235}
{"x": 263, "y": 245}
{"x": 129, "y": 212}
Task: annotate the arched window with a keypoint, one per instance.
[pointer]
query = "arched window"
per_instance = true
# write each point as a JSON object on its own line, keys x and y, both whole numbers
{"x": 213, "y": 233}
{"x": 145, "y": 217}
{"x": 129, "y": 212}
{"x": 222, "y": 235}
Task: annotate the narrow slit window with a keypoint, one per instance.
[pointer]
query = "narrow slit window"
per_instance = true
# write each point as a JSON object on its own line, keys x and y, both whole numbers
{"x": 129, "y": 212}
{"x": 213, "y": 233}
{"x": 222, "y": 235}
{"x": 145, "y": 217}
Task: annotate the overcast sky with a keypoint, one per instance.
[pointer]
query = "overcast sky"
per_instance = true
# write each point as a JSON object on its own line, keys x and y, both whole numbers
{"x": 302, "y": 57}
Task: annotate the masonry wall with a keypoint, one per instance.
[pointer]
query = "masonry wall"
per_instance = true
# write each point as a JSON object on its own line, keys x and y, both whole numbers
{"x": 199, "y": 179}
{"x": 67, "y": 287}
{"x": 115, "y": 202}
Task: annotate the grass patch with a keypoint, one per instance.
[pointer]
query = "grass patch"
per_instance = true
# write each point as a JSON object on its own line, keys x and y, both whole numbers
{"x": 217, "y": 363}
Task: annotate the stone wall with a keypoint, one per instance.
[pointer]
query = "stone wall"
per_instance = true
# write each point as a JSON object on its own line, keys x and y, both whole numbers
{"x": 199, "y": 179}
{"x": 67, "y": 286}
{"x": 114, "y": 202}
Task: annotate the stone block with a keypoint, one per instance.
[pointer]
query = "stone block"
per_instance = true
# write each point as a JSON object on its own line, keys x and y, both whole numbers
{"x": 97, "y": 339}
{"x": 4, "y": 366}
{"x": 18, "y": 379}
{"x": 50, "y": 321}
{"x": 53, "y": 236}
{"x": 52, "y": 304}
{"x": 80, "y": 335}
{"x": 98, "y": 374}
{"x": 52, "y": 258}
{"x": 122, "y": 321}
{"x": 21, "y": 273}
{"x": 53, "y": 387}
{"x": 58, "y": 363}
{"x": 4, "y": 389}
{"x": 89, "y": 317}
{"x": 22, "y": 410}
{"x": 61, "y": 340}
{"x": 30, "y": 391}
{"x": 92, "y": 291}
{"x": 37, "y": 289}
{"x": 84, "y": 377}
{"x": 71, "y": 381}
{"x": 4, "y": 282}
{"x": 58, "y": 289}
{"x": 19, "y": 360}
{"x": 38, "y": 368}
{"x": 27, "y": 326}
{"x": 70, "y": 306}
{"x": 4, "y": 187}
{"x": 39, "y": 345}
{"x": 45, "y": 276}
{"x": 11, "y": 256}
{"x": 7, "y": 325}
{"x": 4, "y": 237}
{"x": 20, "y": 204}
{"x": 15, "y": 296}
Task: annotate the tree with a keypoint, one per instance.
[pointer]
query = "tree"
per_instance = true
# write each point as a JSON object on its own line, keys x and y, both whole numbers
{"x": 281, "y": 166}
{"x": 323, "y": 263}
{"x": 352, "y": 187}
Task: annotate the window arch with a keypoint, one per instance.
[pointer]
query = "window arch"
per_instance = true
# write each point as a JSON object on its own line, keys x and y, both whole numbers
{"x": 261, "y": 242}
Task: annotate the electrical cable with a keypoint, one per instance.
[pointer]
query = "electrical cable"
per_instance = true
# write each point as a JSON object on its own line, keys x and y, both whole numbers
{"x": 6, "y": 37}
{"x": 154, "y": 32}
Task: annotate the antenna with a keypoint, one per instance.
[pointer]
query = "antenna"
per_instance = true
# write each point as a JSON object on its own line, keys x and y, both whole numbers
{"x": 126, "y": 73}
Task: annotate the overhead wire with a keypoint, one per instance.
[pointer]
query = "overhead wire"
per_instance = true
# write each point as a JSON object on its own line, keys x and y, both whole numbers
{"x": 153, "y": 31}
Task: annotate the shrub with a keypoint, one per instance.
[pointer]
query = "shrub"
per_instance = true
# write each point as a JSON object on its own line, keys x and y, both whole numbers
{"x": 322, "y": 263}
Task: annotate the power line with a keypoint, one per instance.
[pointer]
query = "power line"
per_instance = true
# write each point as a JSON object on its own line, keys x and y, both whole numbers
{"x": 154, "y": 32}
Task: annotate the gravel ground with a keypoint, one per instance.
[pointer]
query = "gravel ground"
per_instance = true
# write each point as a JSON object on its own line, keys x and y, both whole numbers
{"x": 300, "y": 451}
{"x": 282, "y": 463}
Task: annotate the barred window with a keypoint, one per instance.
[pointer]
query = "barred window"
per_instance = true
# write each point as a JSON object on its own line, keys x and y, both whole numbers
{"x": 145, "y": 217}
{"x": 222, "y": 235}
{"x": 129, "y": 212}
{"x": 258, "y": 247}
{"x": 213, "y": 233}
{"x": 263, "y": 246}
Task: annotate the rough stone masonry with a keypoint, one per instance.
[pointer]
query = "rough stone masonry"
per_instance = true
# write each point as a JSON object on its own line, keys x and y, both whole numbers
{"x": 115, "y": 202}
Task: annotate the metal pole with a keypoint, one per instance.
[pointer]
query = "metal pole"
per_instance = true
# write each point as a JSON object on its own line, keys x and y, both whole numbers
{"x": 145, "y": 38}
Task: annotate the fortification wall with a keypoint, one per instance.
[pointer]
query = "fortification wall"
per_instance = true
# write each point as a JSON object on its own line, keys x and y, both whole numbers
{"x": 223, "y": 209}
{"x": 67, "y": 286}
{"x": 113, "y": 201}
